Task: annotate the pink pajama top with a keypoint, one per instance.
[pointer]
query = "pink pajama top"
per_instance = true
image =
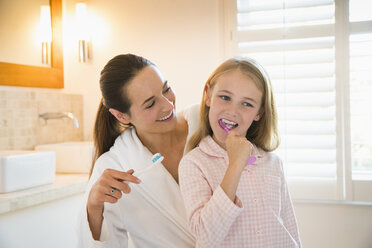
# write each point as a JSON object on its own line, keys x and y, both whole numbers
{"x": 261, "y": 215}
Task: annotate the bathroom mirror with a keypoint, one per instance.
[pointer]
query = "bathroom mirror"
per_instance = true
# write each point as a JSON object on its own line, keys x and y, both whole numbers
{"x": 14, "y": 74}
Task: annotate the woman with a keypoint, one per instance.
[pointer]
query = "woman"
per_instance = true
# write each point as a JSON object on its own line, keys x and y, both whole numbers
{"x": 136, "y": 119}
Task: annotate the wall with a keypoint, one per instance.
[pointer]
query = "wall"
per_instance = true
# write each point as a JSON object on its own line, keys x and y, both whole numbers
{"x": 328, "y": 225}
{"x": 22, "y": 129}
{"x": 183, "y": 38}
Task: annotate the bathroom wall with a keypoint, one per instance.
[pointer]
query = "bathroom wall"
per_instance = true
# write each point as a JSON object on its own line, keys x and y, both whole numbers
{"x": 185, "y": 39}
{"x": 20, "y": 126}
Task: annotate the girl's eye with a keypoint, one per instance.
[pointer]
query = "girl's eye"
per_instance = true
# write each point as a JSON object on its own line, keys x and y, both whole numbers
{"x": 149, "y": 106}
{"x": 225, "y": 98}
{"x": 247, "y": 104}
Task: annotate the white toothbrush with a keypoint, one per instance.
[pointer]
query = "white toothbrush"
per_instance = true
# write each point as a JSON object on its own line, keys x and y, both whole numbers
{"x": 156, "y": 159}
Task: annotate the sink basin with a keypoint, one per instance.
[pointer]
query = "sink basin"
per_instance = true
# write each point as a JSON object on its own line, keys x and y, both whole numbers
{"x": 71, "y": 157}
{"x": 25, "y": 169}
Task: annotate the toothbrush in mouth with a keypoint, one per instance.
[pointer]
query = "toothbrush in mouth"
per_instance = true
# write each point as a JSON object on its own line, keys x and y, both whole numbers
{"x": 251, "y": 159}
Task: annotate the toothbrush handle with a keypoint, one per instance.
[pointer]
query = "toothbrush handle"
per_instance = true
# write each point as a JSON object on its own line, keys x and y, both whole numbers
{"x": 251, "y": 160}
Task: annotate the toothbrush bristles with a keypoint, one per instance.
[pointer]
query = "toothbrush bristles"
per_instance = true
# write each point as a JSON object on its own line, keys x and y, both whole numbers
{"x": 156, "y": 157}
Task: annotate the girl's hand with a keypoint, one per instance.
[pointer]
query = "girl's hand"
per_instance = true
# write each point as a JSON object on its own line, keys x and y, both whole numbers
{"x": 238, "y": 149}
{"x": 109, "y": 188}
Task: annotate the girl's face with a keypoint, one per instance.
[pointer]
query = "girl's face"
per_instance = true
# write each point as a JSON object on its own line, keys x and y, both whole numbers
{"x": 236, "y": 100}
{"x": 153, "y": 101}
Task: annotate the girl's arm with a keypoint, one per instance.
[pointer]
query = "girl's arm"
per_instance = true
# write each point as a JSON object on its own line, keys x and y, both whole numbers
{"x": 239, "y": 150}
{"x": 210, "y": 214}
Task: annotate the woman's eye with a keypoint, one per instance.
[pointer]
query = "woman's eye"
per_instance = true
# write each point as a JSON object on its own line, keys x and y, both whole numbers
{"x": 152, "y": 104}
{"x": 166, "y": 90}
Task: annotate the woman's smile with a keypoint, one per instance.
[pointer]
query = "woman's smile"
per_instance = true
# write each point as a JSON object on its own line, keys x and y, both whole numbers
{"x": 167, "y": 117}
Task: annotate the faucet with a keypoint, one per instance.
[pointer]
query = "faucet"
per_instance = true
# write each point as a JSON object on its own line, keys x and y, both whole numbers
{"x": 58, "y": 115}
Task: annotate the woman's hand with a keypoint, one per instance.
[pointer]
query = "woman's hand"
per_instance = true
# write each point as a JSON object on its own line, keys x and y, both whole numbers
{"x": 108, "y": 188}
{"x": 238, "y": 149}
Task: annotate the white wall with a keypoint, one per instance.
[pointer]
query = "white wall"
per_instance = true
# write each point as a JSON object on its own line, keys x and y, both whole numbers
{"x": 183, "y": 38}
{"x": 328, "y": 225}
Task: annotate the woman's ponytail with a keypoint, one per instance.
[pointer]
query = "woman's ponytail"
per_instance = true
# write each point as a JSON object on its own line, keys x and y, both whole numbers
{"x": 106, "y": 130}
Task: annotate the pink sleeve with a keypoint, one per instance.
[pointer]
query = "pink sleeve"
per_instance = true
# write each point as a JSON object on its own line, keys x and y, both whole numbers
{"x": 287, "y": 213}
{"x": 210, "y": 214}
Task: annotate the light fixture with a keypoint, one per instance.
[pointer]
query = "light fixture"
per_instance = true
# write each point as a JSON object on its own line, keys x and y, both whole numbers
{"x": 45, "y": 33}
{"x": 82, "y": 32}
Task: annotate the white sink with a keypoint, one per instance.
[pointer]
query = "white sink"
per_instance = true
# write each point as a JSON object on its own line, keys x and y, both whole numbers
{"x": 71, "y": 157}
{"x": 25, "y": 169}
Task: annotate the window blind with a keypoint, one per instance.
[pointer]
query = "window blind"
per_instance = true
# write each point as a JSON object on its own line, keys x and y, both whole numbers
{"x": 294, "y": 40}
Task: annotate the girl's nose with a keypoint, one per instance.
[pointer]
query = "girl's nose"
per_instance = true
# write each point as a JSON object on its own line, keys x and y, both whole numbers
{"x": 232, "y": 109}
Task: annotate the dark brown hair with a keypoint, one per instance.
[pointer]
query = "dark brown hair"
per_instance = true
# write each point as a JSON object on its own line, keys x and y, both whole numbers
{"x": 115, "y": 76}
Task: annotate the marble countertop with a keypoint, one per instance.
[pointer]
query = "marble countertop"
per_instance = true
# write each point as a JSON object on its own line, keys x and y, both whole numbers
{"x": 65, "y": 185}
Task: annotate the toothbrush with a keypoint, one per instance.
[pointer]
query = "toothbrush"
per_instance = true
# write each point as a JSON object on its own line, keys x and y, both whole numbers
{"x": 251, "y": 159}
{"x": 157, "y": 158}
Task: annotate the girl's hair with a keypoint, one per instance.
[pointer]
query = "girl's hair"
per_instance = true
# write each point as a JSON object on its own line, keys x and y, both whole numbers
{"x": 115, "y": 76}
{"x": 263, "y": 133}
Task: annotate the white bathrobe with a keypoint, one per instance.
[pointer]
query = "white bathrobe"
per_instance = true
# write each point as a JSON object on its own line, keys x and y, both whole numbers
{"x": 153, "y": 214}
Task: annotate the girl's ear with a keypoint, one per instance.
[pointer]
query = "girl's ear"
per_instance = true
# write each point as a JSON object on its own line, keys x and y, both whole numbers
{"x": 123, "y": 118}
{"x": 207, "y": 90}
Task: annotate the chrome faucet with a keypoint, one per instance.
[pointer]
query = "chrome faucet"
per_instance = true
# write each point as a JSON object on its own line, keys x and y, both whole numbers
{"x": 59, "y": 115}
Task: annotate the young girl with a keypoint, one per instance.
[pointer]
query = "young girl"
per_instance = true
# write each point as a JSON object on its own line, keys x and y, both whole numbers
{"x": 230, "y": 202}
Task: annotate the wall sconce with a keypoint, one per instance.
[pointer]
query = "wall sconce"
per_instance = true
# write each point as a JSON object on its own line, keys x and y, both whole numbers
{"x": 45, "y": 33}
{"x": 82, "y": 31}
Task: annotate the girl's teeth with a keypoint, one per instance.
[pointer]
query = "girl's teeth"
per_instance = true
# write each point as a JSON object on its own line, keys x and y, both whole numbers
{"x": 229, "y": 124}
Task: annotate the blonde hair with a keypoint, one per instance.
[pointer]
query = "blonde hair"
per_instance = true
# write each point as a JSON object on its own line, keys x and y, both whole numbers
{"x": 263, "y": 133}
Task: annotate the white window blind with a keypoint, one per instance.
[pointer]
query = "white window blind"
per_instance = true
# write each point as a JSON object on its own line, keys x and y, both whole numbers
{"x": 318, "y": 54}
{"x": 295, "y": 42}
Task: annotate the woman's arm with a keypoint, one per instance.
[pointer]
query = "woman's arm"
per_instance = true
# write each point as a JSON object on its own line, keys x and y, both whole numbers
{"x": 101, "y": 192}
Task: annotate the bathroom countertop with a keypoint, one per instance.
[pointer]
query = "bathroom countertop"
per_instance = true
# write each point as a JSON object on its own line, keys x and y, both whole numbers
{"x": 65, "y": 185}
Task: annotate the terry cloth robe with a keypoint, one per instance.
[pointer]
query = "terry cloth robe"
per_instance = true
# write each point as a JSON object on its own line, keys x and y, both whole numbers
{"x": 153, "y": 214}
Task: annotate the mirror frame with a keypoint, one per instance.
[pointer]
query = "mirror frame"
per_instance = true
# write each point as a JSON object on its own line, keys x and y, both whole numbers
{"x": 36, "y": 76}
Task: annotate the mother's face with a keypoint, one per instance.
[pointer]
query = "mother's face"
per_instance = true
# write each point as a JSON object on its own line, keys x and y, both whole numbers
{"x": 152, "y": 102}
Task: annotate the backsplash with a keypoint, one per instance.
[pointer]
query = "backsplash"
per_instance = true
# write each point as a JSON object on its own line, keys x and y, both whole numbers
{"x": 20, "y": 125}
